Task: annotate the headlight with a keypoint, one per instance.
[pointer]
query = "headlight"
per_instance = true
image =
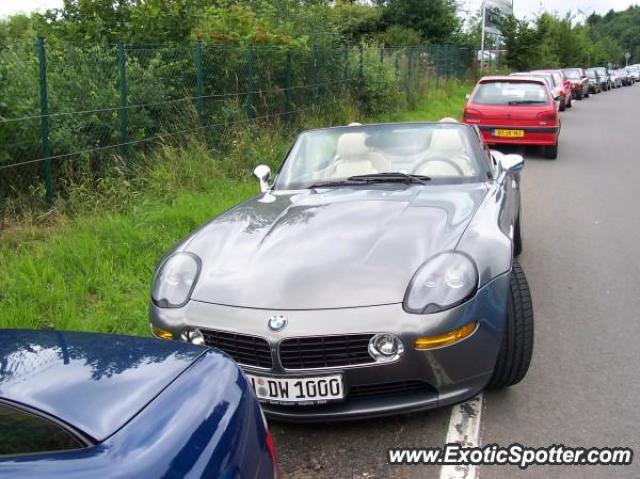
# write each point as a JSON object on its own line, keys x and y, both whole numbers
{"x": 443, "y": 282}
{"x": 175, "y": 280}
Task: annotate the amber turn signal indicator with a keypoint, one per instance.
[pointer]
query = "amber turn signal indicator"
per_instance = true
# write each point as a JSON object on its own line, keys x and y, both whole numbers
{"x": 161, "y": 333}
{"x": 446, "y": 339}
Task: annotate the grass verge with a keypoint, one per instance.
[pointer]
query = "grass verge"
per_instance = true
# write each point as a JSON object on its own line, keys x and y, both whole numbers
{"x": 88, "y": 265}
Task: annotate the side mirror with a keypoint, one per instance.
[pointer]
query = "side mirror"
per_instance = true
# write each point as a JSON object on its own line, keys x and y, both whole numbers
{"x": 511, "y": 163}
{"x": 558, "y": 98}
{"x": 263, "y": 172}
{"x": 467, "y": 96}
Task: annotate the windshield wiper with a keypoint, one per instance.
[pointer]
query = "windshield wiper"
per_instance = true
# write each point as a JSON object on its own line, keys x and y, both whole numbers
{"x": 390, "y": 177}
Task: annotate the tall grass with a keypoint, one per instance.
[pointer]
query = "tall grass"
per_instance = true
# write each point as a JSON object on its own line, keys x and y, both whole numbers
{"x": 87, "y": 265}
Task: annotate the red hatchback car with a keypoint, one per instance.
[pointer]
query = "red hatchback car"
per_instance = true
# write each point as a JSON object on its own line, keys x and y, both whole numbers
{"x": 515, "y": 110}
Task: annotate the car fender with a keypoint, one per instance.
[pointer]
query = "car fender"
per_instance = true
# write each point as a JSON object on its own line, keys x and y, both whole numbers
{"x": 488, "y": 238}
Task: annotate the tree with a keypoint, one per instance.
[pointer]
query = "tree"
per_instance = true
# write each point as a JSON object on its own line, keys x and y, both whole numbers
{"x": 522, "y": 43}
{"x": 436, "y": 20}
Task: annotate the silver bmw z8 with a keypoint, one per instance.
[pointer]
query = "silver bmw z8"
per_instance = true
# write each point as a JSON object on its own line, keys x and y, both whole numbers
{"x": 375, "y": 273}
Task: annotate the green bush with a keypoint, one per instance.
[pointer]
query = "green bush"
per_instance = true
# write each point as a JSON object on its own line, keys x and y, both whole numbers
{"x": 377, "y": 91}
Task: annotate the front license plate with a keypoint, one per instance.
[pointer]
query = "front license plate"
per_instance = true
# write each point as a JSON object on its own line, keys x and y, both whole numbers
{"x": 509, "y": 133}
{"x": 307, "y": 390}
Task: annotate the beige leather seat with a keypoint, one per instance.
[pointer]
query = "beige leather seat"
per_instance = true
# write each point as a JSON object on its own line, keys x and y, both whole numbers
{"x": 354, "y": 157}
{"x": 447, "y": 143}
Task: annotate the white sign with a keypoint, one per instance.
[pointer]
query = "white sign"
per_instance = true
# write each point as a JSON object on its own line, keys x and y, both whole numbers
{"x": 494, "y": 10}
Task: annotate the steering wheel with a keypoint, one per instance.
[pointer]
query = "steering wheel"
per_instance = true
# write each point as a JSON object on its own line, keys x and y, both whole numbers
{"x": 440, "y": 159}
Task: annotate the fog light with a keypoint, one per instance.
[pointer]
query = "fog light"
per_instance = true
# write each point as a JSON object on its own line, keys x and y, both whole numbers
{"x": 193, "y": 336}
{"x": 447, "y": 339}
{"x": 385, "y": 347}
{"x": 161, "y": 333}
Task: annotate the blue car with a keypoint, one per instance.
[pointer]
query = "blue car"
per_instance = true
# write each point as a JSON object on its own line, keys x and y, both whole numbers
{"x": 80, "y": 405}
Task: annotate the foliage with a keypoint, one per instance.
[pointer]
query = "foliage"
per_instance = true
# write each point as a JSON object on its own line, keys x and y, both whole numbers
{"x": 436, "y": 20}
{"x": 243, "y": 24}
{"x": 621, "y": 31}
{"x": 553, "y": 41}
{"x": 378, "y": 90}
{"x": 397, "y": 35}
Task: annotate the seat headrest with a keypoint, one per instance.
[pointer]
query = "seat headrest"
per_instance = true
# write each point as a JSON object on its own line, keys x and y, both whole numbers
{"x": 446, "y": 139}
{"x": 352, "y": 145}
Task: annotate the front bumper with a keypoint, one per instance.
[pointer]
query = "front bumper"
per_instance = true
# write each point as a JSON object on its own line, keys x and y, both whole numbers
{"x": 449, "y": 374}
{"x": 537, "y": 136}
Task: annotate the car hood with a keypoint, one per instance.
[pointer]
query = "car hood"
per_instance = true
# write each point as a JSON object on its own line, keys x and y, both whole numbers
{"x": 329, "y": 248}
{"x": 94, "y": 382}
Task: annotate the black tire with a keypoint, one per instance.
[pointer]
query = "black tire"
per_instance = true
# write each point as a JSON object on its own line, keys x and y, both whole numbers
{"x": 516, "y": 348}
{"x": 517, "y": 237}
{"x": 562, "y": 106}
{"x": 587, "y": 95}
{"x": 570, "y": 104}
{"x": 579, "y": 96}
{"x": 550, "y": 152}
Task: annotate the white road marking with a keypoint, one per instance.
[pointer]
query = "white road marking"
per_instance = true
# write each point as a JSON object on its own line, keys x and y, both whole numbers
{"x": 464, "y": 429}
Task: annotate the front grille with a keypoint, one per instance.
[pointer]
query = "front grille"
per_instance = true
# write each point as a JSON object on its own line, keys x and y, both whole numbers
{"x": 325, "y": 351}
{"x": 244, "y": 349}
{"x": 383, "y": 389}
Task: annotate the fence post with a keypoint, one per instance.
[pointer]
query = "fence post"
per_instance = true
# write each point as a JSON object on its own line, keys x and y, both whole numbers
{"x": 287, "y": 87}
{"x": 199, "y": 87}
{"x": 447, "y": 63}
{"x": 346, "y": 64}
{"x": 124, "y": 112}
{"x": 44, "y": 118}
{"x": 397, "y": 65}
{"x": 250, "y": 72}
{"x": 410, "y": 67}
{"x": 437, "y": 63}
{"x": 361, "y": 61}
{"x": 382, "y": 56}
{"x": 316, "y": 68}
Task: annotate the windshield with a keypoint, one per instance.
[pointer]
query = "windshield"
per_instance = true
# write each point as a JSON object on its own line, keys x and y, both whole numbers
{"x": 601, "y": 71}
{"x": 572, "y": 73}
{"x": 443, "y": 152}
{"x": 590, "y": 73}
{"x": 547, "y": 76}
{"x": 511, "y": 93}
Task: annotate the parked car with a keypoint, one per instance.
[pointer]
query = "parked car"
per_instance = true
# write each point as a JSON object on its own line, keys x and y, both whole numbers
{"x": 556, "y": 93}
{"x": 634, "y": 73}
{"x": 616, "y": 78}
{"x": 626, "y": 79}
{"x": 595, "y": 83}
{"x": 79, "y": 405}
{"x": 515, "y": 110}
{"x": 579, "y": 82}
{"x": 603, "y": 73}
{"x": 564, "y": 90}
{"x": 374, "y": 275}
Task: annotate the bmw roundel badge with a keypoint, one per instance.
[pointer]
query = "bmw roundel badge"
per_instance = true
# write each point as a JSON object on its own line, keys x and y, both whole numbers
{"x": 277, "y": 322}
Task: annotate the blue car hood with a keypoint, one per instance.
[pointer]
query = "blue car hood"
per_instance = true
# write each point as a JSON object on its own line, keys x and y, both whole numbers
{"x": 94, "y": 382}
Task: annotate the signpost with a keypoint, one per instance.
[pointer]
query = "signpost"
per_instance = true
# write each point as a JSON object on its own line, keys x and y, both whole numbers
{"x": 492, "y": 13}
{"x": 626, "y": 59}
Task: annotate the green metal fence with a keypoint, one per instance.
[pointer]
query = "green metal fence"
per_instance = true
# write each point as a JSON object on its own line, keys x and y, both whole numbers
{"x": 73, "y": 110}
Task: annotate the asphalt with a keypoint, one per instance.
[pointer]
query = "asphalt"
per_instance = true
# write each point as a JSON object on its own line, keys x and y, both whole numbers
{"x": 582, "y": 258}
